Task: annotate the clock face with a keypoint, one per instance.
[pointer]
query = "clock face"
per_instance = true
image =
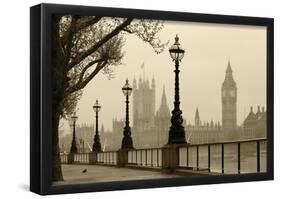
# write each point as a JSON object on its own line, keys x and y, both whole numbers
{"x": 232, "y": 93}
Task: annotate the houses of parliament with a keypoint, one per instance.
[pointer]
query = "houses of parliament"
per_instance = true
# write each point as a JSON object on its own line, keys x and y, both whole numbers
{"x": 151, "y": 124}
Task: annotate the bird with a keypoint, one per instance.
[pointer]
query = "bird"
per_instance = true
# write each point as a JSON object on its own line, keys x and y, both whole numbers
{"x": 84, "y": 171}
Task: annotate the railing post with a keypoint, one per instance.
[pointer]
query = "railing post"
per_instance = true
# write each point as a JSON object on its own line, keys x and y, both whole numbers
{"x": 122, "y": 157}
{"x": 70, "y": 158}
{"x": 145, "y": 157}
{"x": 209, "y": 157}
{"x": 222, "y": 158}
{"x": 93, "y": 157}
{"x": 258, "y": 156}
{"x": 239, "y": 158}
{"x": 157, "y": 153}
{"x": 141, "y": 157}
{"x": 136, "y": 157}
{"x": 151, "y": 157}
{"x": 197, "y": 157}
{"x": 187, "y": 156}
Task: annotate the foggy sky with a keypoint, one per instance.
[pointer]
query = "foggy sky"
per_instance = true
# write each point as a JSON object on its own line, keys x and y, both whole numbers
{"x": 208, "y": 47}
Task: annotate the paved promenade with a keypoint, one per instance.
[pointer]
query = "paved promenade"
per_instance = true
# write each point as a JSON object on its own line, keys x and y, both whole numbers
{"x": 96, "y": 173}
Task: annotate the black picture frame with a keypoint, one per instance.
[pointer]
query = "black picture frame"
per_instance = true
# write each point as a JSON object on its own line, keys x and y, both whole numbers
{"x": 41, "y": 98}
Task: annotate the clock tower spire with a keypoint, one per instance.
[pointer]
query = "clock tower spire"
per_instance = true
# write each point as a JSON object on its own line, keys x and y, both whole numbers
{"x": 229, "y": 100}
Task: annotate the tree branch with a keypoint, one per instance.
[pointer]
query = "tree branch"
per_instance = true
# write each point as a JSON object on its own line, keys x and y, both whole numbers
{"x": 82, "y": 85}
{"x": 70, "y": 34}
{"x": 127, "y": 30}
{"x": 87, "y": 23}
{"x": 91, "y": 63}
{"x": 88, "y": 52}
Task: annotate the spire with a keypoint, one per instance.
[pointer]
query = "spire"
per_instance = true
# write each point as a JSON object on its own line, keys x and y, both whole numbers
{"x": 229, "y": 81}
{"x": 212, "y": 123}
{"x": 197, "y": 113}
{"x": 102, "y": 129}
{"x": 250, "y": 118}
{"x": 197, "y": 121}
{"x": 153, "y": 83}
{"x": 164, "y": 99}
{"x": 228, "y": 70}
{"x": 259, "y": 109}
{"x": 163, "y": 111}
{"x": 258, "y": 113}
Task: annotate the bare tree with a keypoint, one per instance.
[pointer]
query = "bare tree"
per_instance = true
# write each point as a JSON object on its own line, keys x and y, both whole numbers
{"x": 81, "y": 48}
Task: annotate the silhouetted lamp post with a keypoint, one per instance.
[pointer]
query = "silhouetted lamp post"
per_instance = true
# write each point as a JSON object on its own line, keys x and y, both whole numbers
{"x": 127, "y": 142}
{"x": 97, "y": 145}
{"x": 73, "y": 120}
{"x": 176, "y": 132}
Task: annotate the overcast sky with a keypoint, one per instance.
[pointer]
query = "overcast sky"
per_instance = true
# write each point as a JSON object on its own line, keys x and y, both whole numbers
{"x": 207, "y": 47}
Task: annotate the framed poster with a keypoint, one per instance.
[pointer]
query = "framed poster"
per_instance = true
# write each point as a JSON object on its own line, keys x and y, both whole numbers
{"x": 131, "y": 99}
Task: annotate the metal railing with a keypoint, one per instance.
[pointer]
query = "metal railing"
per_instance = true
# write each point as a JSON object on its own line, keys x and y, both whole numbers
{"x": 81, "y": 158}
{"x": 247, "y": 156}
{"x": 150, "y": 157}
{"x": 63, "y": 158}
{"x": 107, "y": 157}
{"x": 231, "y": 157}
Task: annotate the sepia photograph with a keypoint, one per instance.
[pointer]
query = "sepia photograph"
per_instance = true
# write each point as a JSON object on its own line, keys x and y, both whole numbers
{"x": 139, "y": 99}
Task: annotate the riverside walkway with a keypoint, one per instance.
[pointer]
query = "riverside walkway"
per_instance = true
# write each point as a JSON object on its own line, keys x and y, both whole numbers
{"x": 98, "y": 173}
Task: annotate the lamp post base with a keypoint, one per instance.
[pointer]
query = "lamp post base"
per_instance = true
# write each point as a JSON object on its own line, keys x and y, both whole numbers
{"x": 177, "y": 135}
{"x": 73, "y": 149}
{"x": 127, "y": 143}
{"x": 97, "y": 144}
{"x": 170, "y": 157}
{"x": 96, "y": 147}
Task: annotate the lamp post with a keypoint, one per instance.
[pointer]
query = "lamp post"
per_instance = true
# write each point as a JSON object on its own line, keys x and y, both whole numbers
{"x": 97, "y": 145}
{"x": 73, "y": 120}
{"x": 176, "y": 132}
{"x": 127, "y": 142}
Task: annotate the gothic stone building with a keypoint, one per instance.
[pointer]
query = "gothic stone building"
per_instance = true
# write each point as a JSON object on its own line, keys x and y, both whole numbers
{"x": 254, "y": 126}
{"x": 150, "y": 127}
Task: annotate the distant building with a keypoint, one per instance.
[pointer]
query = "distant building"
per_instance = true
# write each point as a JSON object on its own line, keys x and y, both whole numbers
{"x": 162, "y": 121}
{"x": 203, "y": 132}
{"x": 150, "y": 127}
{"x": 143, "y": 104}
{"x": 254, "y": 125}
{"x": 229, "y": 101}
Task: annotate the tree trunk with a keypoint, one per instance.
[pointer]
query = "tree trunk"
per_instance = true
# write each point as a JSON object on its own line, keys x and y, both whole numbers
{"x": 56, "y": 166}
{"x": 58, "y": 85}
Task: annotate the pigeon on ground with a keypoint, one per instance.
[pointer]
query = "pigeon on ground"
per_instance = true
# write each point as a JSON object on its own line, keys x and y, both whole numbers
{"x": 84, "y": 171}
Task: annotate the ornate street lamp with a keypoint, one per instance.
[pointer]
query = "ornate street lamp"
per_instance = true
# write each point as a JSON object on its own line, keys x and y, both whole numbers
{"x": 127, "y": 142}
{"x": 97, "y": 145}
{"x": 177, "y": 132}
{"x": 73, "y": 120}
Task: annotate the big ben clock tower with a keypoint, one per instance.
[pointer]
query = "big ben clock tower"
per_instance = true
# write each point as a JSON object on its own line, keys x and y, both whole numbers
{"x": 229, "y": 101}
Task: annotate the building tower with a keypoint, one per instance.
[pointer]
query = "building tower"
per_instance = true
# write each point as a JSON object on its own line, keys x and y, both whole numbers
{"x": 143, "y": 105}
{"x": 162, "y": 121}
{"x": 229, "y": 101}
{"x": 197, "y": 121}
